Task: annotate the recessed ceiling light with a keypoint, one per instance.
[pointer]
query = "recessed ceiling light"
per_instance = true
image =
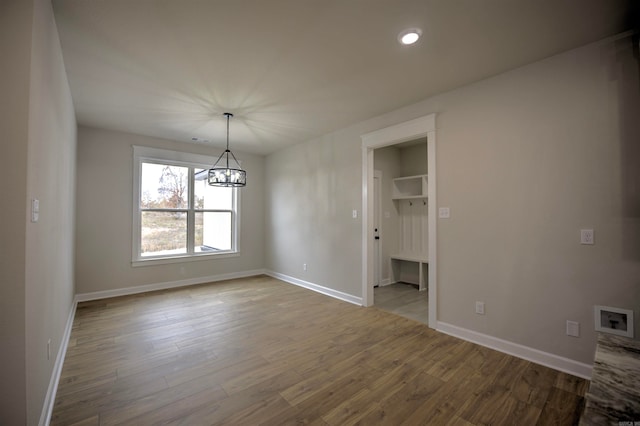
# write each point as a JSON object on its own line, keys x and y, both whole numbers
{"x": 409, "y": 36}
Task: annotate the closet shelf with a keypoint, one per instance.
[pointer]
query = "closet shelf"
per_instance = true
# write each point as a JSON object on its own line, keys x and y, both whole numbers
{"x": 409, "y": 187}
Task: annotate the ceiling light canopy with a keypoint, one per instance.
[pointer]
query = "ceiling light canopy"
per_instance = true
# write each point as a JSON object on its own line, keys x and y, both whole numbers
{"x": 409, "y": 36}
{"x": 223, "y": 174}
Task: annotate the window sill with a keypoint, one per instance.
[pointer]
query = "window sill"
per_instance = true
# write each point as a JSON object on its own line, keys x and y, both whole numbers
{"x": 181, "y": 259}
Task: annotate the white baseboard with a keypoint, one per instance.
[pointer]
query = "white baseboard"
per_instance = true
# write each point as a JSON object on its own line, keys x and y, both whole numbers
{"x": 386, "y": 282}
{"x": 534, "y": 355}
{"x": 83, "y": 297}
{"x": 50, "y": 397}
{"x": 317, "y": 288}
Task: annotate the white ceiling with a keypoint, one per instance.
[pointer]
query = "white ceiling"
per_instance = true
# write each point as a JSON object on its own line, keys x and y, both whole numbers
{"x": 292, "y": 70}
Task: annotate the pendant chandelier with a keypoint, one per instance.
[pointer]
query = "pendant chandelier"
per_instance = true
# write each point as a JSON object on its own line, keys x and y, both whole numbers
{"x": 221, "y": 174}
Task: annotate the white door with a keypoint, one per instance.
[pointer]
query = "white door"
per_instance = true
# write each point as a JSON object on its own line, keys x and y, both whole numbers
{"x": 377, "y": 255}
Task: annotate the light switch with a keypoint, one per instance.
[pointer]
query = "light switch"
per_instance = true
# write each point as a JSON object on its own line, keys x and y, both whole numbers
{"x": 354, "y": 214}
{"x": 35, "y": 210}
{"x": 444, "y": 213}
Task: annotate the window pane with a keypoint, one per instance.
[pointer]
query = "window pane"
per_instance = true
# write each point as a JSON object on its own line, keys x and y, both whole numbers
{"x": 164, "y": 186}
{"x": 213, "y": 231}
{"x": 163, "y": 233}
{"x": 211, "y": 197}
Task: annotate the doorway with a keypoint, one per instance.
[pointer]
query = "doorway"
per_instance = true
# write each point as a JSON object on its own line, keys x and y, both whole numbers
{"x": 403, "y": 132}
{"x": 400, "y": 227}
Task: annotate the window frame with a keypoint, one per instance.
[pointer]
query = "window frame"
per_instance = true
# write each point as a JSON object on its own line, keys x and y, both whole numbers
{"x": 142, "y": 154}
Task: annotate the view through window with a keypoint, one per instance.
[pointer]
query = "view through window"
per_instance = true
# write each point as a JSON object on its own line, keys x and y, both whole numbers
{"x": 179, "y": 214}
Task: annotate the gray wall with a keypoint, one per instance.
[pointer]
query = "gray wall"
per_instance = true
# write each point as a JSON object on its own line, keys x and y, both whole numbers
{"x": 525, "y": 160}
{"x": 413, "y": 159}
{"x": 38, "y": 133}
{"x": 311, "y": 190}
{"x": 15, "y": 50}
{"x": 104, "y": 215}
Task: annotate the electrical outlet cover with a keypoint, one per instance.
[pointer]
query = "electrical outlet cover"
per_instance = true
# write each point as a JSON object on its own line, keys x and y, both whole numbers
{"x": 587, "y": 236}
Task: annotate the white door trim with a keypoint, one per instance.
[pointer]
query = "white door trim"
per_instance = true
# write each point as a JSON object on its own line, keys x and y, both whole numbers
{"x": 403, "y": 132}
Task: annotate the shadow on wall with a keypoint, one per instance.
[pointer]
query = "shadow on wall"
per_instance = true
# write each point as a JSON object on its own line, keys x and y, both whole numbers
{"x": 629, "y": 95}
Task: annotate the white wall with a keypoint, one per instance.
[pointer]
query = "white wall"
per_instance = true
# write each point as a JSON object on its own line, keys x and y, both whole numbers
{"x": 104, "y": 216}
{"x": 525, "y": 160}
{"x": 15, "y": 51}
{"x": 51, "y": 179}
{"x": 38, "y": 148}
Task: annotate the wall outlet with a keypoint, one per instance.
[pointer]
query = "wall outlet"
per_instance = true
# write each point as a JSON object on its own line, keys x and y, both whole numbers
{"x": 587, "y": 236}
{"x": 480, "y": 308}
{"x": 573, "y": 328}
{"x": 304, "y": 266}
{"x": 354, "y": 214}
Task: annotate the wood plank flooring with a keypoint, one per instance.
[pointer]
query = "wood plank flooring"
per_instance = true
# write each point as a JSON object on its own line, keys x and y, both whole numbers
{"x": 404, "y": 300}
{"x": 260, "y": 351}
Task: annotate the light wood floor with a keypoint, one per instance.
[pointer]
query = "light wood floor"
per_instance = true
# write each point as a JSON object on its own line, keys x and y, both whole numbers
{"x": 404, "y": 300}
{"x": 259, "y": 351}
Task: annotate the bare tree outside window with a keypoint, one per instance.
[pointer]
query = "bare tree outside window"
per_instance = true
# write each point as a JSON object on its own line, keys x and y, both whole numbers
{"x": 165, "y": 200}
{"x": 173, "y": 185}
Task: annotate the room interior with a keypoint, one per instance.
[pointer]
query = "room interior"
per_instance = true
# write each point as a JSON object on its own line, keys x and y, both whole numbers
{"x": 533, "y": 109}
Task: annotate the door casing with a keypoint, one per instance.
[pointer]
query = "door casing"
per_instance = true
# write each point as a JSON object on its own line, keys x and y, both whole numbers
{"x": 403, "y": 132}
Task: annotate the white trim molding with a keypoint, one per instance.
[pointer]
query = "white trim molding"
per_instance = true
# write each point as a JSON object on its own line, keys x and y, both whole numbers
{"x": 520, "y": 351}
{"x": 83, "y": 297}
{"x": 402, "y": 132}
{"x": 317, "y": 288}
{"x": 410, "y": 130}
{"x": 50, "y": 397}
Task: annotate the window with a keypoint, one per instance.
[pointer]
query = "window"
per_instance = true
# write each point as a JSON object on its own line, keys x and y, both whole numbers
{"x": 177, "y": 215}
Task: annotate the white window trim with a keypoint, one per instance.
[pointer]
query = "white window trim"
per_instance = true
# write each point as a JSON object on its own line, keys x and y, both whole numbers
{"x": 144, "y": 153}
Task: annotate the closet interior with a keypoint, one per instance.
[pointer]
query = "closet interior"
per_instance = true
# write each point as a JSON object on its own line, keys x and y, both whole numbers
{"x": 402, "y": 248}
